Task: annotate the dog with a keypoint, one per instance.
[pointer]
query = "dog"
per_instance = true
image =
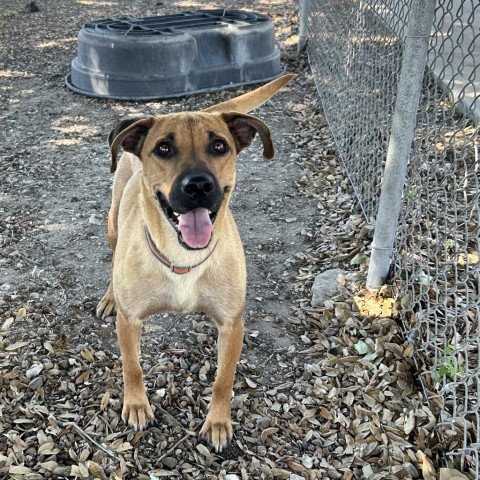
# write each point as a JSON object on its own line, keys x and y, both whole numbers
{"x": 175, "y": 244}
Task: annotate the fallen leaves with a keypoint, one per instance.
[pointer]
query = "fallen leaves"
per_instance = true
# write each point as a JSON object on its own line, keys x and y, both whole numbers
{"x": 339, "y": 402}
{"x": 358, "y": 343}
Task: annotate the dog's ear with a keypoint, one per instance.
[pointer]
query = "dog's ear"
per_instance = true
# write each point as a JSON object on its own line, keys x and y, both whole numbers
{"x": 248, "y": 101}
{"x": 128, "y": 134}
{"x": 244, "y": 127}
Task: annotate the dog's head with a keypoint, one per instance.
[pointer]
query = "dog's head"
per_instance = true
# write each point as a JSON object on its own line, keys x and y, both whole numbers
{"x": 189, "y": 159}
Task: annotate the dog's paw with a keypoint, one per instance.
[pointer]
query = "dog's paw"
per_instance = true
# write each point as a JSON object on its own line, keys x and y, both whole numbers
{"x": 137, "y": 413}
{"x": 106, "y": 306}
{"x": 217, "y": 430}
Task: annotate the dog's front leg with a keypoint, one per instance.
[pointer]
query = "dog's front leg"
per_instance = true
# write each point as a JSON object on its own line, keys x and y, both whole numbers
{"x": 136, "y": 408}
{"x": 218, "y": 425}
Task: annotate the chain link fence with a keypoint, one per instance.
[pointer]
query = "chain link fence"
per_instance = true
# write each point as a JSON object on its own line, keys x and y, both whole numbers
{"x": 355, "y": 49}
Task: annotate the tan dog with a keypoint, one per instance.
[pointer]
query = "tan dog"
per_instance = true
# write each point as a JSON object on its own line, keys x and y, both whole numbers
{"x": 176, "y": 246}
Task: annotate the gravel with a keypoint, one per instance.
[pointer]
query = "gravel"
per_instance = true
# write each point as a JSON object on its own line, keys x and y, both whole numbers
{"x": 324, "y": 392}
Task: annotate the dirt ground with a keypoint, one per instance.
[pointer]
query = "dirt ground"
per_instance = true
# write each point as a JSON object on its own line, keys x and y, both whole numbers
{"x": 322, "y": 392}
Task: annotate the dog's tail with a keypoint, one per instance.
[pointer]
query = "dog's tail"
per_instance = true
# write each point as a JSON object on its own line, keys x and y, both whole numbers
{"x": 247, "y": 102}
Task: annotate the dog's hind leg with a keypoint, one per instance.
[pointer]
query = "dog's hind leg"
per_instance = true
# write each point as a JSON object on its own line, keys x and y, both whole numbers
{"x": 106, "y": 306}
{"x": 218, "y": 425}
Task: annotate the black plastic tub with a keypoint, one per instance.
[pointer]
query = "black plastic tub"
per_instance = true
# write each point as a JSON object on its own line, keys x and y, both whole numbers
{"x": 174, "y": 55}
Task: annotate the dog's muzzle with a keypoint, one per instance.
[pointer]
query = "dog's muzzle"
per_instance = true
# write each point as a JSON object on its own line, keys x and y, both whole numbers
{"x": 195, "y": 199}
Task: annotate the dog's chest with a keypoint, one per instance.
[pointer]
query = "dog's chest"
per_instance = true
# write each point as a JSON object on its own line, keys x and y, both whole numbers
{"x": 177, "y": 293}
{"x": 180, "y": 299}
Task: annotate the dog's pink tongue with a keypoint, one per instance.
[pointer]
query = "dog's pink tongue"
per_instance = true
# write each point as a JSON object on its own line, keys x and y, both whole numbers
{"x": 195, "y": 227}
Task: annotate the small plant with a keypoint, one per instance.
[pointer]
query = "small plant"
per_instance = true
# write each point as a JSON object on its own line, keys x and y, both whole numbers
{"x": 449, "y": 244}
{"x": 411, "y": 194}
{"x": 448, "y": 367}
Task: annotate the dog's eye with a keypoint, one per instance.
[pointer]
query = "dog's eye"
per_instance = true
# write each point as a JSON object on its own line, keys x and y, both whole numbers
{"x": 219, "y": 147}
{"x": 163, "y": 149}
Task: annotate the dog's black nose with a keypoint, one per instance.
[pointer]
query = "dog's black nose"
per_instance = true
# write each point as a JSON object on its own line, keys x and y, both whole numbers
{"x": 198, "y": 184}
{"x": 196, "y": 189}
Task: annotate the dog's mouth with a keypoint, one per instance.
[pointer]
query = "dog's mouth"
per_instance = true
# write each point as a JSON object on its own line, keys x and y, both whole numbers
{"x": 194, "y": 228}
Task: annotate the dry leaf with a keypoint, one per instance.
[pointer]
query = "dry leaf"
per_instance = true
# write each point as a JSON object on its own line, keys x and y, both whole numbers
{"x": 87, "y": 355}
{"x": 203, "y": 450}
{"x": 7, "y": 324}
{"x": 326, "y": 414}
{"x": 83, "y": 377}
{"x": 450, "y": 474}
{"x": 48, "y": 448}
{"x": 16, "y": 346}
{"x": 280, "y": 473}
{"x": 80, "y": 470}
{"x": 96, "y": 470}
{"x": 42, "y": 438}
{"x": 136, "y": 438}
{"x": 428, "y": 471}
{"x": 105, "y": 400}
{"x": 120, "y": 446}
{"x": 307, "y": 461}
{"x": 409, "y": 423}
{"x": 84, "y": 454}
{"x": 19, "y": 470}
{"x": 250, "y": 382}
{"x": 50, "y": 466}
{"x": 267, "y": 432}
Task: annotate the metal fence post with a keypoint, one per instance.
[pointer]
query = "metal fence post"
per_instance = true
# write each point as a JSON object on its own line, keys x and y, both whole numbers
{"x": 403, "y": 125}
{"x": 303, "y": 30}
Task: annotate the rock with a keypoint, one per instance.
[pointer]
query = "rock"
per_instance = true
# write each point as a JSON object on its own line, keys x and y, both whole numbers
{"x": 47, "y": 365}
{"x": 289, "y": 57}
{"x": 450, "y": 474}
{"x": 264, "y": 422}
{"x": 282, "y": 398}
{"x": 34, "y": 371}
{"x": 64, "y": 364}
{"x": 169, "y": 462}
{"x": 32, "y": 7}
{"x": 94, "y": 220}
{"x": 62, "y": 471}
{"x": 326, "y": 285}
{"x": 195, "y": 368}
{"x": 161, "y": 380}
{"x": 36, "y": 382}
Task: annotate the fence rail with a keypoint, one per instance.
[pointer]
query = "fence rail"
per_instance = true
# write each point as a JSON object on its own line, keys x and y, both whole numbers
{"x": 356, "y": 48}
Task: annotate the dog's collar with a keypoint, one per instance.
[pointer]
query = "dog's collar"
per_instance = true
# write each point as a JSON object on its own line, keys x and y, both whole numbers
{"x": 173, "y": 268}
